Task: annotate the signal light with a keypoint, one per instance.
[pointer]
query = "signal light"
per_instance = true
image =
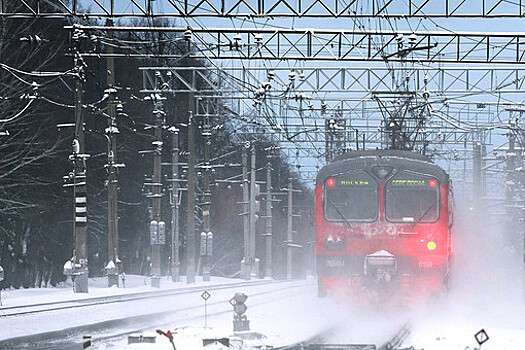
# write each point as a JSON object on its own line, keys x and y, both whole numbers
{"x": 330, "y": 182}
{"x": 432, "y": 183}
{"x": 431, "y": 245}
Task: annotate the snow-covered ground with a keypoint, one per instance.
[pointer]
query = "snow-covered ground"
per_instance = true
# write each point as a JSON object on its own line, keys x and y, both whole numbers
{"x": 272, "y": 308}
{"x": 486, "y": 294}
{"x": 280, "y": 314}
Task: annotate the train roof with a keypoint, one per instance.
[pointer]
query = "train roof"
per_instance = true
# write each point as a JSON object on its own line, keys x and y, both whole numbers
{"x": 398, "y": 159}
{"x": 384, "y": 153}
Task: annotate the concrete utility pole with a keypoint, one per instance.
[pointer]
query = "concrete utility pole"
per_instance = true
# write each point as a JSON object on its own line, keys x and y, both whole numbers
{"x": 268, "y": 235}
{"x": 510, "y": 191}
{"x": 483, "y": 170}
{"x": 174, "y": 202}
{"x": 289, "y": 238}
{"x": 190, "y": 252}
{"x": 111, "y": 133}
{"x": 81, "y": 270}
{"x": 157, "y": 227}
{"x": 511, "y": 166}
{"x": 206, "y": 209}
{"x": 247, "y": 268}
{"x": 253, "y": 193}
{"x": 476, "y": 174}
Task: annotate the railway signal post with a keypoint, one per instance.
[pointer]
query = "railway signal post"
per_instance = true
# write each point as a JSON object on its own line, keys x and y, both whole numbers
{"x": 240, "y": 320}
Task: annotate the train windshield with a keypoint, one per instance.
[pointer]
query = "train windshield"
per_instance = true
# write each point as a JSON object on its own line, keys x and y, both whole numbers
{"x": 351, "y": 197}
{"x": 412, "y": 198}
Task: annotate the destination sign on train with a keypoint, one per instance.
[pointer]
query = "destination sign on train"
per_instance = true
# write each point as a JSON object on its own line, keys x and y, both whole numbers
{"x": 354, "y": 183}
{"x": 414, "y": 182}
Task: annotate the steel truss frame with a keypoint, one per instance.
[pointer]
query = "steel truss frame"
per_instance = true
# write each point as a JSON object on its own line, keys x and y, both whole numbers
{"x": 450, "y": 80}
{"x": 471, "y": 121}
{"x": 269, "y": 9}
{"x": 334, "y": 45}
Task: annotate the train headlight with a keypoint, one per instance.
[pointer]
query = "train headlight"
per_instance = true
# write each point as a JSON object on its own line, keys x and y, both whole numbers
{"x": 431, "y": 245}
{"x": 337, "y": 245}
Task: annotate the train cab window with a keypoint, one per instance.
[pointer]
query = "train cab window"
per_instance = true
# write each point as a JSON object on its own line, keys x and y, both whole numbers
{"x": 412, "y": 197}
{"x": 351, "y": 197}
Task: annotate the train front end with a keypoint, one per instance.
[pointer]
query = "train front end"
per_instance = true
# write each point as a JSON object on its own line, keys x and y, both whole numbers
{"x": 383, "y": 225}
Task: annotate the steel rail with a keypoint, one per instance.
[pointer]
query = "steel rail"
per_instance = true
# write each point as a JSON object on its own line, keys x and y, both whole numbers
{"x": 251, "y": 304}
{"x": 317, "y": 342}
{"x": 71, "y": 304}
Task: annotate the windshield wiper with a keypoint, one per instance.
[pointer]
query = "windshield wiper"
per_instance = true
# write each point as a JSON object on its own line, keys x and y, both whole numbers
{"x": 426, "y": 212}
{"x": 339, "y": 212}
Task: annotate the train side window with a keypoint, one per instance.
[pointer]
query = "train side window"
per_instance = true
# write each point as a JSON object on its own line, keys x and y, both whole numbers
{"x": 412, "y": 197}
{"x": 351, "y": 197}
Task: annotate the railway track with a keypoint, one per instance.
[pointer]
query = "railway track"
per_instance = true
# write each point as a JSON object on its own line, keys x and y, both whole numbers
{"x": 317, "y": 342}
{"x": 19, "y": 310}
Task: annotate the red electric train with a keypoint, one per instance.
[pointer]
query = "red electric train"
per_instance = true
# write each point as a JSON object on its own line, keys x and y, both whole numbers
{"x": 382, "y": 220}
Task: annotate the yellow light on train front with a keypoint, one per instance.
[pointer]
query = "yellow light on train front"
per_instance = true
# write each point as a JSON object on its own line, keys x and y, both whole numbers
{"x": 431, "y": 245}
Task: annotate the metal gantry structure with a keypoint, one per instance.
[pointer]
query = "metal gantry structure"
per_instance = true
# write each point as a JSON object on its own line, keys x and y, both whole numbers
{"x": 447, "y": 93}
{"x": 273, "y": 8}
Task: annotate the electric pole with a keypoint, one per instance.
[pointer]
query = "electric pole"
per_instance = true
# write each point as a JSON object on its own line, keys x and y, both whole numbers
{"x": 289, "y": 239}
{"x": 111, "y": 133}
{"x": 268, "y": 265}
{"x": 174, "y": 202}
{"x": 510, "y": 185}
{"x": 207, "y": 202}
{"x": 247, "y": 270}
{"x": 252, "y": 211}
{"x": 157, "y": 227}
{"x": 476, "y": 174}
{"x": 78, "y": 158}
{"x": 190, "y": 252}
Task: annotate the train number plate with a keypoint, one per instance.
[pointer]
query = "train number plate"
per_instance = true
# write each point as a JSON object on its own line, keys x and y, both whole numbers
{"x": 335, "y": 263}
{"x": 425, "y": 264}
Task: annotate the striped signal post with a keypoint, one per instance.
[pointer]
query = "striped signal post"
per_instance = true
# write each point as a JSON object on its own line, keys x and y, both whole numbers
{"x": 81, "y": 264}
{"x": 86, "y": 342}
